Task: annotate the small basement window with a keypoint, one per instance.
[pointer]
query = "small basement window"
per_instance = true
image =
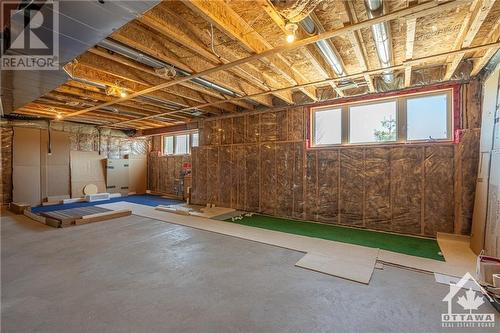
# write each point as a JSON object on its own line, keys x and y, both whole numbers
{"x": 428, "y": 118}
{"x": 195, "y": 139}
{"x": 182, "y": 144}
{"x": 374, "y": 122}
{"x": 168, "y": 145}
{"x": 417, "y": 117}
{"x": 327, "y": 125}
{"x": 179, "y": 144}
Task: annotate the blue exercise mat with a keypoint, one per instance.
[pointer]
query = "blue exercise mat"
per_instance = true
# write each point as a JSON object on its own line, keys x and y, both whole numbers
{"x": 143, "y": 199}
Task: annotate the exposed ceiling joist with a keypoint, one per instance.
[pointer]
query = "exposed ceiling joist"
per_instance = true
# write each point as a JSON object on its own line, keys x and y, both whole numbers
{"x": 427, "y": 8}
{"x": 492, "y": 37}
{"x": 280, "y": 22}
{"x": 227, "y": 20}
{"x": 380, "y": 70}
{"x": 477, "y": 14}
{"x": 133, "y": 106}
{"x": 356, "y": 41}
{"x": 411, "y": 26}
{"x": 163, "y": 26}
{"x": 141, "y": 40}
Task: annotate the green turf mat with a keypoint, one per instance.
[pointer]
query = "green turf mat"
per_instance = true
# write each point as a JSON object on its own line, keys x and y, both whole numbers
{"x": 415, "y": 246}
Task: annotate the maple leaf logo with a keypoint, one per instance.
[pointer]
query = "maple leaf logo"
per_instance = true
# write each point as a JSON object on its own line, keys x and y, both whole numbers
{"x": 470, "y": 301}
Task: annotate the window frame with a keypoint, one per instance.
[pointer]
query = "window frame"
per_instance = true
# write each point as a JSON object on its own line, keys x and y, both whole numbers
{"x": 174, "y": 135}
{"x": 313, "y": 124}
{"x": 401, "y": 118}
{"x": 449, "y": 115}
{"x": 364, "y": 103}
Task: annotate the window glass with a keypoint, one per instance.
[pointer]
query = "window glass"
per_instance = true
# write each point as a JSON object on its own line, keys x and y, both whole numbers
{"x": 182, "y": 144}
{"x": 168, "y": 145}
{"x": 373, "y": 122}
{"x": 328, "y": 127}
{"x": 427, "y": 117}
{"x": 194, "y": 139}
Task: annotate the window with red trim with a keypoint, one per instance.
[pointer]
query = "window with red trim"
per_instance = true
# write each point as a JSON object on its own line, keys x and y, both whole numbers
{"x": 417, "y": 117}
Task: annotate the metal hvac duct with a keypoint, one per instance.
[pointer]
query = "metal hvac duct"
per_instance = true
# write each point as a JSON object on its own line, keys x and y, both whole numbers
{"x": 324, "y": 47}
{"x": 128, "y": 52}
{"x": 381, "y": 37}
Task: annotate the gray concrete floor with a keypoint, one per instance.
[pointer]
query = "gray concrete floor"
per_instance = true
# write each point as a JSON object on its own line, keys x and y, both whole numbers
{"x": 135, "y": 274}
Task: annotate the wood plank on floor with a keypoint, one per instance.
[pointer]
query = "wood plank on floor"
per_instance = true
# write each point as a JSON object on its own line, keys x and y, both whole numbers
{"x": 349, "y": 267}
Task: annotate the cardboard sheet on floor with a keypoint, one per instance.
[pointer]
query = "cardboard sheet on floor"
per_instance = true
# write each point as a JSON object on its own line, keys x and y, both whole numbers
{"x": 455, "y": 248}
{"x": 457, "y": 252}
{"x": 206, "y": 212}
{"x": 329, "y": 249}
{"x": 345, "y": 265}
{"x": 448, "y": 280}
{"x": 87, "y": 167}
{"x": 454, "y": 267}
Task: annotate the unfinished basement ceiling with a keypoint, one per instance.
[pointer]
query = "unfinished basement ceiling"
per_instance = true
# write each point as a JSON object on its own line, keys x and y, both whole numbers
{"x": 176, "y": 39}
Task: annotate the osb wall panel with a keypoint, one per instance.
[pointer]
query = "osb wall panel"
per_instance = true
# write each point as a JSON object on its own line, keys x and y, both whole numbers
{"x": 259, "y": 162}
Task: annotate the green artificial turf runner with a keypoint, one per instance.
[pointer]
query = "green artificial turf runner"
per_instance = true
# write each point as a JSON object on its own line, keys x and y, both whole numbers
{"x": 420, "y": 247}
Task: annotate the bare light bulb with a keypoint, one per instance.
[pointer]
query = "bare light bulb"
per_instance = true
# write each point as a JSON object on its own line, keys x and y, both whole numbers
{"x": 59, "y": 116}
{"x": 123, "y": 94}
{"x": 290, "y": 29}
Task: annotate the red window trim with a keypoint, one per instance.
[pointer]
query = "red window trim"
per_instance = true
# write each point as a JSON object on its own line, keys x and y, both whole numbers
{"x": 456, "y": 105}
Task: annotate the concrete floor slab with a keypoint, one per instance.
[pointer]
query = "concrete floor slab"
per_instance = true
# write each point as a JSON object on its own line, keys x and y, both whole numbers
{"x": 137, "y": 274}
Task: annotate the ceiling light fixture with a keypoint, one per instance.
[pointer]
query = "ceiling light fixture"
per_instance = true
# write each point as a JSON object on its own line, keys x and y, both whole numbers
{"x": 123, "y": 94}
{"x": 290, "y": 29}
{"x": 59, "y": 116}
